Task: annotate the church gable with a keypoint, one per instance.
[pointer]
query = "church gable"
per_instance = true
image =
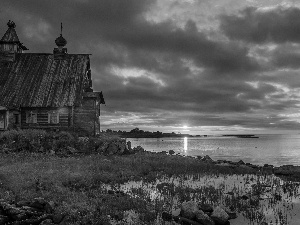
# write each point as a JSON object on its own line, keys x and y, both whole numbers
{"x": 44, "y": 90}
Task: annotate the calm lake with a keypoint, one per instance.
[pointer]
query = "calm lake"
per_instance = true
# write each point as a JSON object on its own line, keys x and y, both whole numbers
{"x": 271, "y": 149}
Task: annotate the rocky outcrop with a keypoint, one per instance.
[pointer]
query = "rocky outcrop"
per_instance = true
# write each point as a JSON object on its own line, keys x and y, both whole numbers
{"x": 35, "y": 212}
{"x": 201, "y": 214}
{"x": 118, "y": 147}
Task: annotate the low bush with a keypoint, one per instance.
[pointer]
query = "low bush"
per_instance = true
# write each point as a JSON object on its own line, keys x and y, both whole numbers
{"x": 34, "y": 140}
{"x": 30, "y": 140}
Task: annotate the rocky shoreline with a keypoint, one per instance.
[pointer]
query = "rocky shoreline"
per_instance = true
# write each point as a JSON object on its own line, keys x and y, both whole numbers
{"x": 285, "y": 171}
{"x": 35, "y": 212}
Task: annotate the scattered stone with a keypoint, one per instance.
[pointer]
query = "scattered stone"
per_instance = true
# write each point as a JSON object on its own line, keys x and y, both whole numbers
{"x": 219, "y": 216}
{"x": 188, "y": 209}
{"x": 35, "y": 212}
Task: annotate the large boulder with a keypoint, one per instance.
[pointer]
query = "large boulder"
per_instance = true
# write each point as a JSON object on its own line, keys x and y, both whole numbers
{"x": 203, "y": 218}
{"x": 188, "y": 209}
{"x": 219, "y": 216}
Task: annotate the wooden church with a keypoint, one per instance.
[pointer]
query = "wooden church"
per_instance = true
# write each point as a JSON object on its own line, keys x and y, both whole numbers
{"x": 46, "y": 90}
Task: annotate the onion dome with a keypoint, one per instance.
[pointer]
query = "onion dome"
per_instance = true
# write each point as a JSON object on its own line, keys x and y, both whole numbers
{"x": 60, "y": 41}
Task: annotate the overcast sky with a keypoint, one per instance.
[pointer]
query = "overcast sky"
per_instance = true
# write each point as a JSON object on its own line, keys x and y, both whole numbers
{"x": 189, "y": 66}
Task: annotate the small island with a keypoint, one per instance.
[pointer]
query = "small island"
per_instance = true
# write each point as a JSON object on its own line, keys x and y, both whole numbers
{"x": 241, "y": 135}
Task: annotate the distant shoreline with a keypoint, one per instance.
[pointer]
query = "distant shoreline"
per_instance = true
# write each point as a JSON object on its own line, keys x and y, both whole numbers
{"x": 155, "y": 135}
{"x": 184, "y": 135}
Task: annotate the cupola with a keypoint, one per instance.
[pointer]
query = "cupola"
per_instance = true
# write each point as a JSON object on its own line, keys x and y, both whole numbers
{"x": 60, "y": 42}
{"x": 10, "y": 43}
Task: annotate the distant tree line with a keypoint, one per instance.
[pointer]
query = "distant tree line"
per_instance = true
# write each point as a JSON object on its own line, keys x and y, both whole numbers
{"x": 137, "y": 133}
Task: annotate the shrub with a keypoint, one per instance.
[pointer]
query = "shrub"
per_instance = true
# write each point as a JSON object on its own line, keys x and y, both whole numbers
{"x": 35, "y": 140}
{"x": 30, "y": 140}
{"x": 63, "y": 139}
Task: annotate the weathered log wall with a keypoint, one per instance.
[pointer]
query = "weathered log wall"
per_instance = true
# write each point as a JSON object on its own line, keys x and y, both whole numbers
{"x": 85, "y": 117}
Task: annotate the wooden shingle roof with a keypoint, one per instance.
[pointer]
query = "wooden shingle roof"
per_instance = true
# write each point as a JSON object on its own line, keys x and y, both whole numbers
{"x": 37, "y": 80}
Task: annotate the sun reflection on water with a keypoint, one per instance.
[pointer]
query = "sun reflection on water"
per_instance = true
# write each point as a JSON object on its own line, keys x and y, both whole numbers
{"x": 185, "y": 147}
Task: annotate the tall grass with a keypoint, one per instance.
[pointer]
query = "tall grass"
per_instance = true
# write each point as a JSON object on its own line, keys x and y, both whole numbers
{"x": 79, "y": 183}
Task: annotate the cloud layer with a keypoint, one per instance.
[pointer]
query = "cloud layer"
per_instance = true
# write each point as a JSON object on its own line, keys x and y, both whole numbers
{"x": 165, "y": 64}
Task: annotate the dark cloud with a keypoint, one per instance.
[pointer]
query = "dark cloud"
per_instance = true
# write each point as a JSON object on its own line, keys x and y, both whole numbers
{"x": 162, "y": 74}
{"x": 260, "y": 26}
{"x": 286, "y": 56}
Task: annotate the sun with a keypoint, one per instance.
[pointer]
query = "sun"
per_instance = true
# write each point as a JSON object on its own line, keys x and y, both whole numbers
{"x": 185, "y": 127}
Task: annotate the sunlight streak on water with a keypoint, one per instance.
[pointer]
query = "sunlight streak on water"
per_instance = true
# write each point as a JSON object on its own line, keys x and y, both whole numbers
{"x": 267, "y": 149}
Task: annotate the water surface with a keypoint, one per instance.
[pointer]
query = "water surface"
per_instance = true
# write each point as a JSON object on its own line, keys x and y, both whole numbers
{"x": 271, "y": 149}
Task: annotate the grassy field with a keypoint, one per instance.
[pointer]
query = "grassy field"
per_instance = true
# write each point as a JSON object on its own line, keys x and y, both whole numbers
{"x": 88, "y": 186}
{"x": 79, "y": 184}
